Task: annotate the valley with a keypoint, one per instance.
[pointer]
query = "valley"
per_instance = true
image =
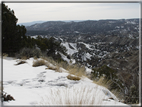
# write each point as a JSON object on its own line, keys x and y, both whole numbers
{"x": 94, "y": 43}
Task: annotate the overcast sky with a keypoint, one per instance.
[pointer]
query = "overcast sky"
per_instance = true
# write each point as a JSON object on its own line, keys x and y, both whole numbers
{"x": 28, "y": 12}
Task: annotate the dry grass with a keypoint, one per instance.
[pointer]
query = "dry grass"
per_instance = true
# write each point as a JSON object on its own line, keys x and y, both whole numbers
{"x": 24, "y": 58}
{"x": 107, "y": 83}
{"x": 50, "y": 60}
{"x": 59, "y": 69}
{"x": 35, "y": 58}
{"x": 4, "y": 55}
{"x": 39, "y": 63}
{"x": 103, "y": 82}
{"x": 118, "y": 95}
{"x": 77, "y": 70}
{"x": 73, "y": 69}
{"x": 73, "y": 78}
{"x": 73, "y": 96}
{"x": 50, "y": 66}
{"x": 21, "y": 62}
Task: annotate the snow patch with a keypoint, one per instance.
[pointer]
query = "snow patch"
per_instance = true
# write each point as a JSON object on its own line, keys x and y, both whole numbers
{"x": 87, "y": 45}
{"x": 69, "y": 50}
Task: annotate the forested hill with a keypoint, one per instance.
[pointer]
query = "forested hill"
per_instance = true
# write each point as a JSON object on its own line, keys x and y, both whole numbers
{"x": 107, "y": 27}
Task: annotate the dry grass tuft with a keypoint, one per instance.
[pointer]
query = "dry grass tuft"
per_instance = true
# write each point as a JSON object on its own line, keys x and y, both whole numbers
{"x": 103, "y": 82}
{"x": 73, "y": 96}
{"x": 24, "y": 58}
{"x": 50, "y": 60}
{"x": 39, "y": 63}
{"x": 59, "y": 69}
{"x": 76, "y": 70}
{"x": 21, "y": 62}
{"x": 73, "y": 69}
{"x": 118, "y": 95}
{"x": 73, "y": 78}
{"x": 108, "y": 83}
{"x": 4, "y": 55}
{"x": 35, "y": 57}
{"x": 50, "y": 66}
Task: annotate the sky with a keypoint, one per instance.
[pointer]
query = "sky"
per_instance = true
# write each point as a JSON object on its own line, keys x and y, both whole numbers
{"x": 28, "y": 12}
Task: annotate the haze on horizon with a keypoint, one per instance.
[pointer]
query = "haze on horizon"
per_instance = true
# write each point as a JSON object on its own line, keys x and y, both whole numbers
{"x": 29, "y": 12}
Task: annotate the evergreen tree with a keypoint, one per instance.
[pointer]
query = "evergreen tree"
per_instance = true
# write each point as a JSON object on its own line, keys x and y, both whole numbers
{"x": 12, "y": 34}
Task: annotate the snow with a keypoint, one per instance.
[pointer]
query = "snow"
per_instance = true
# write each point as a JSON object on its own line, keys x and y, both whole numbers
{"x": 87, "y": 45}
{"x": 88, "y": 70}
{"x": 88, "y": 56}
{"x": 34, "y": 36}
{"x": 37, "y": 86}
{"x": 65, "y": 58}
{"x": 74, "y": 45}
{"x": 70, "y": 61}
{"x": 61, "y": 39}
{"x": 69, "y": 50}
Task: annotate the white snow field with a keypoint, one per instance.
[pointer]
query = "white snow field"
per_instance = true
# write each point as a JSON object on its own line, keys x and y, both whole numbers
{"x": 39, "y": 86}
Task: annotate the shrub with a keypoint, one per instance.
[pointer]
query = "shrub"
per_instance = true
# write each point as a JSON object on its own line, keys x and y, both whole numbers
{"x": 7, "y": 97}
{"x": 108, "y": 78}
{"x": 4, "y": 95}
{"x": 133, "y": 95}
{"x": 39, "y": 63}
{"x": 73, "y": 78}
{"x": 104, "y": 70}
{"x": 57, "y": 69}
{"x": 110, "y": 75}
{"x": 28, "y": 52}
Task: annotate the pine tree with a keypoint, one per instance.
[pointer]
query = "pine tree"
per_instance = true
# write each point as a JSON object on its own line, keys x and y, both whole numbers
{"x": 12, "y": 34}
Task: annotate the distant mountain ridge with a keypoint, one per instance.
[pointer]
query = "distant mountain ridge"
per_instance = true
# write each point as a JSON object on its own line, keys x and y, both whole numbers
{"x": 57, "y": 28}
{"x": 38, "y": 22}
{"x": 30, "y": 23}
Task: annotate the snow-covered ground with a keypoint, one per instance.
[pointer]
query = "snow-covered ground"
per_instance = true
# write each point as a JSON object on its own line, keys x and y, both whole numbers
{"x": 39, "y": 86}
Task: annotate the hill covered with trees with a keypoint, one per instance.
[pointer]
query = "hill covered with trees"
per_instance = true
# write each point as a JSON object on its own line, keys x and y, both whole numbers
{"x": 14, "y": 38}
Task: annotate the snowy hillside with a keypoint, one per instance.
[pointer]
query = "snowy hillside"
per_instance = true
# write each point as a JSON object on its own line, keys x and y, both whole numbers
{"x": 40, "y": 86}
{"x": 71, "y": 47}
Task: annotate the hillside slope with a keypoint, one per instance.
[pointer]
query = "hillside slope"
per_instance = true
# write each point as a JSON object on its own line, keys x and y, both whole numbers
{"x": 39, "y": 86}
